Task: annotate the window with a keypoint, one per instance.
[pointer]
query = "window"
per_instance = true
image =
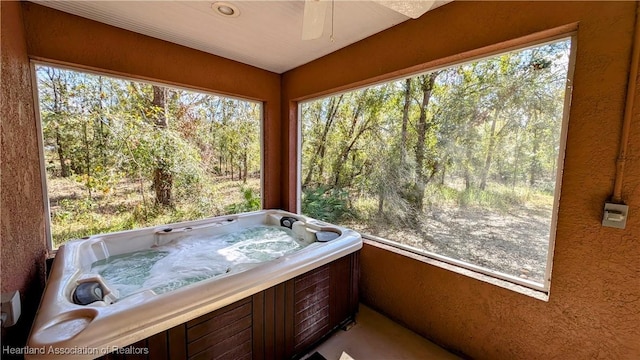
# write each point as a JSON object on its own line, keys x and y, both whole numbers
{"x": 461, "y": 163}
{"x": 120, "y": 154}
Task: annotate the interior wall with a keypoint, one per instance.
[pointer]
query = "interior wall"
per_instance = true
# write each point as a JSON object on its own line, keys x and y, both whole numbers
{"x": 593, "y": 308}
{"x": 68, "y": 39}
{"x": 22, "y": 211}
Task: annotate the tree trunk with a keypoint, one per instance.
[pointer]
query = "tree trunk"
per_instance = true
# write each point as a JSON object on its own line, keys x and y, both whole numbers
{"x": 321, "y": 163}
{"x": 353, "y": 173}
{"x": 405, "y": 121}
{"x": 344, "y": 154}
{"x": 393, "y": 189}
{"x": 162, "y": 177}
{"x": 102, "y": 143}
{"x": 516, "y": 163}
{"x": 318, "y": 155}
{"x": 467, "y": 178}
{"x": 87, "y": 158}
{"x": 534, "y": 168}
{"x": 162, "y": 184}
{"x": 64, "y": 167}
{"x": 490, "y": 150}
{"x": 420, "y": 181}
{"x": 246, "y": 168}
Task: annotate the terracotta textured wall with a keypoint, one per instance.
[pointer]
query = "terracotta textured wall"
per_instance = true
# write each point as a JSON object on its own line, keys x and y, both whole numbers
{"x": 594, "y": 305}
{"x": 67, "y": 39}
{"x": 22, "y": 212}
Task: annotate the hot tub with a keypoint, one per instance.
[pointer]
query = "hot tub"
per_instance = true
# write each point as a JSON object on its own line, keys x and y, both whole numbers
{"x": 174, "y": 275}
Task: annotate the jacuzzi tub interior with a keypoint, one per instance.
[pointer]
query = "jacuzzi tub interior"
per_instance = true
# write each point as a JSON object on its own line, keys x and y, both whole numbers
{"x": 179, "y": 258}
{"x": 152, "y": 280}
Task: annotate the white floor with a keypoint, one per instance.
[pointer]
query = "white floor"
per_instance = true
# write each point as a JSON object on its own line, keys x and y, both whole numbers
{"x": 375, "y": 336}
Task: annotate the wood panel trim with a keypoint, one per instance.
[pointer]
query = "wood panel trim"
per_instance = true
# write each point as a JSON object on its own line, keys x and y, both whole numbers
{"x": 218, "y": 323}
{"x": 289, "y": 331}
{"x": 354, "y": 299}
{"x": 258, "y": 314}
{"x": 177, "y": 338}
{"x": 216, "y": 313}
{"x": 158, "y": 346}
{"x": 221, "y": 334}
{"x": 281, "y": 301}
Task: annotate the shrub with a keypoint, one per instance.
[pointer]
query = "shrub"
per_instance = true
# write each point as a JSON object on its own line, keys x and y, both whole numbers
{"x": 251, "y": 202}
{"x": 326, "y": 204}
{"x": 498, "y": 200}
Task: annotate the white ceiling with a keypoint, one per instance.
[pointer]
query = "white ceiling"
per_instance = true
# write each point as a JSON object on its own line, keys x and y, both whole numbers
{"x": 267, "y": 34}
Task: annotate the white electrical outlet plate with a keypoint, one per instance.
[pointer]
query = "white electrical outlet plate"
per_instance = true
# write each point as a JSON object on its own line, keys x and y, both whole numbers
{"x": 10, "y": 308}
{"x": 615, "y": 215}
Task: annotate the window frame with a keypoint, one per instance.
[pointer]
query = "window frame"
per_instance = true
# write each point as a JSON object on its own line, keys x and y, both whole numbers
{"x": 544, "y": 287}
{"x": 39, "y": 129}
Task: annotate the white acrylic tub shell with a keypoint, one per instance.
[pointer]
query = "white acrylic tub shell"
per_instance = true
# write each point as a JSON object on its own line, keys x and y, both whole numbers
{"x": 66, "y": 330}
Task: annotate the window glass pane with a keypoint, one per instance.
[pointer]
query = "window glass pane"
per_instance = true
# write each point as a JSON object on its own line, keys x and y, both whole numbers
{"x": 122, "y": 154}
{"x": 459, "y": 162}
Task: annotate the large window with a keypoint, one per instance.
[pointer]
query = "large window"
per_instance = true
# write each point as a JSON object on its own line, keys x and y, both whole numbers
{"x": 121, "y": 154}
{"x": 459, "y": 163}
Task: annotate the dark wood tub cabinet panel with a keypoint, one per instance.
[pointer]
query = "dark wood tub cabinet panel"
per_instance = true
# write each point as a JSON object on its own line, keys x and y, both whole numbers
{"x": 282, "y": 322}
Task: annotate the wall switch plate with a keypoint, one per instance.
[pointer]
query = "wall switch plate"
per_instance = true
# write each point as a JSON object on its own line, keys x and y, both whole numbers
{"x": 615, "y": 215}
{"x": 10, "y": 308}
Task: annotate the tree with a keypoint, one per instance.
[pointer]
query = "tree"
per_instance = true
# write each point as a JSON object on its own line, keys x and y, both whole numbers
{"x": 319, "y": 146}
{"x": 55, "y": 115}
{"x": 422, "y": 177}
{"x": 475, "y": 127}
{"x": 162, "y": 176}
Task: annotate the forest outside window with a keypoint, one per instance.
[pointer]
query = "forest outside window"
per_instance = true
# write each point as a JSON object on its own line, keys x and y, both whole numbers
{"x": 461, "y": 163}
{"x": 121, "y": 154}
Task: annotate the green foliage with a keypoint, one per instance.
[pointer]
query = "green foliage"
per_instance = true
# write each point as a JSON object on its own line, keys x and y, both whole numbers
{"x": 482, "y": 134}
{"x": 325, "y": 204}
{"x": 497, "y": 200}
{"x": 78, "y": 218}
{"x": 109, "y": 138}
{"x": 251, "y": 202}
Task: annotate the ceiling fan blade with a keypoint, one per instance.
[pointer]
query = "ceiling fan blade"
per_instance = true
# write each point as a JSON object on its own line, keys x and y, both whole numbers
{"x": 313, "y": 20}
{"x": 411, "y": 8}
